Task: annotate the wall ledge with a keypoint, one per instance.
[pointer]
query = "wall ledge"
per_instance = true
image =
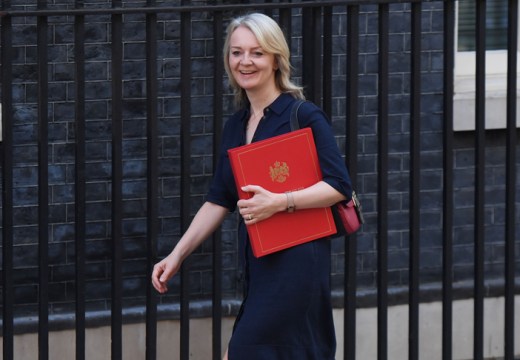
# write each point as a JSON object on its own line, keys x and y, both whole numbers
{"x": 366, "y": 298}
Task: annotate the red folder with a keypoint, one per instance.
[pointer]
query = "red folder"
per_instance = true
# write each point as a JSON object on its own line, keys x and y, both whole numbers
{"x": 282, "y": 163}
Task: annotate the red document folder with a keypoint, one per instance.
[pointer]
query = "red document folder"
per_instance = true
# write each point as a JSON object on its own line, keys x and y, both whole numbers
{"x": 282, "y": 163}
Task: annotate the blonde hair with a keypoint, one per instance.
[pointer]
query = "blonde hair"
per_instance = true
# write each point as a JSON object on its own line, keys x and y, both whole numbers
{"x": 272, "y": 40}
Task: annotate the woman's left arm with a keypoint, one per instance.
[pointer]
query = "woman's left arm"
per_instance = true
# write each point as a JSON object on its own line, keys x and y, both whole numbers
{"x": 318, "y": 195}
{"x": 264, "y": 204}
{"x": 332, "y": 164}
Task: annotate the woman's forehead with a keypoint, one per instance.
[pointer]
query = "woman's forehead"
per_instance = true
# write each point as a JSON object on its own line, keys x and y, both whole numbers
{"x": 242, "y": 35}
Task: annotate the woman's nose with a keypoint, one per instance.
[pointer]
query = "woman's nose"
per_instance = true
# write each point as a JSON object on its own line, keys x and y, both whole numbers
{"x": 246, "y": 59}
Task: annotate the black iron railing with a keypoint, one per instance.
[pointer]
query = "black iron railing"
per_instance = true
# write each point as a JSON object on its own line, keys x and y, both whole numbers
{"x": 319, "y": 63}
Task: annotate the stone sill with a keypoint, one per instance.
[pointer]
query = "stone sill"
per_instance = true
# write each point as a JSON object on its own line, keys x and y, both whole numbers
{"x": 366, "y": 298}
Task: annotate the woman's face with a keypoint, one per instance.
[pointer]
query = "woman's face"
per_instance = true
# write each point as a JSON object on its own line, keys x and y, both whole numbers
{"x": 251, "y": 67}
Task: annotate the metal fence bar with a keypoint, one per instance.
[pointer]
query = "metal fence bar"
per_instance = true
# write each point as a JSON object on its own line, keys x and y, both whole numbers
{"x": 311, "y": 59}
{"x": 327, "y": 61}
{"x": 352, "y": 116}
{"x": 7, "y": 185}
{"x": 80, "y": 181}
{"x": 415, "y": 183}
{"x": 152, "y": 179}
{"x": 382, "y": 184}
{"x": 511, "y": 141}
{"x": 185, "y": 177}
{"x": 117, "y": 181}
{"x": 43, "y": 187}
{"x": 480, "y": 115}
{"x": 285, "y": 22}
{"x": 447, "y": 159}
{"x": 269, "y": 11}
{"x": 218, "y": 91}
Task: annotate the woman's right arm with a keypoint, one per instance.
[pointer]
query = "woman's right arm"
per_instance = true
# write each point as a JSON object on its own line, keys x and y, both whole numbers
{"x": 206, "y": 221}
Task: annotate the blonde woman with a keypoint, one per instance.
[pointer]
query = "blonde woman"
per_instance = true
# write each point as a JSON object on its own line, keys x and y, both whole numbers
{"x": 286, "y": 312}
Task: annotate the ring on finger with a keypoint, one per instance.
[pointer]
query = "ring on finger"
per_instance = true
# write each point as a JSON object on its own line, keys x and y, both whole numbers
{"x": 250, "y": 217}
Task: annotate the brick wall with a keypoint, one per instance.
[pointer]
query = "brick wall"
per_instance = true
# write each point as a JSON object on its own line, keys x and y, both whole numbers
{"x": 99, "y": 137}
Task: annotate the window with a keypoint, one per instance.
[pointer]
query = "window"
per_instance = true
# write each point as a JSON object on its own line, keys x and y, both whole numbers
{"x": 496, "y": 25}
{"x": 496, "y": 65}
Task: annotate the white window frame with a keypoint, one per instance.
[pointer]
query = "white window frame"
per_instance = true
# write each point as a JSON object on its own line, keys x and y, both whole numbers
{"x": 496, "y": 87}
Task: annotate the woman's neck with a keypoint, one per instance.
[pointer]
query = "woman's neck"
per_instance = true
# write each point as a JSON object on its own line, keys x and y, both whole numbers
{"x": 260, "y": 100}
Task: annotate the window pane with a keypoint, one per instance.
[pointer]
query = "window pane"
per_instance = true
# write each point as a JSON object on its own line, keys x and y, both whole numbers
{"x": 496, "y": 25}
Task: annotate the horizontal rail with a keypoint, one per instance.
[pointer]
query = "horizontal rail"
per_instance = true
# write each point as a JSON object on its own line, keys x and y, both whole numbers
{"x": 192, "y": 8}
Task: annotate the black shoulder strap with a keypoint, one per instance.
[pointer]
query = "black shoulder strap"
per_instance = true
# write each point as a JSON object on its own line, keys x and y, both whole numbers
{"x": 295, "y": 123}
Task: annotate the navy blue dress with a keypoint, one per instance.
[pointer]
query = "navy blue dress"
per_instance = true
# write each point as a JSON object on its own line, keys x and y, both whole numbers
{"x": 287, "y": 311}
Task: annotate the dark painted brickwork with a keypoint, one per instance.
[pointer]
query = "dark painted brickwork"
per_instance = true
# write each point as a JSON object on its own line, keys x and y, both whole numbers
{"x": 98, "y": 134}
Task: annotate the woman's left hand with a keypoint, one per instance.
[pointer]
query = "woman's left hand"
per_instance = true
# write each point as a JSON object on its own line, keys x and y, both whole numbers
{"x": 262, "y": 205}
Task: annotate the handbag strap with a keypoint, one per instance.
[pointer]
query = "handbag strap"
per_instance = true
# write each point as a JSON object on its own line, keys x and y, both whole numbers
{"x": 295, "y": 123}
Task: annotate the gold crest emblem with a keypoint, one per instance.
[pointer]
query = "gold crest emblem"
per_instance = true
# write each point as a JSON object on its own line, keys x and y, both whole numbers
{"x": 279, "y": 172}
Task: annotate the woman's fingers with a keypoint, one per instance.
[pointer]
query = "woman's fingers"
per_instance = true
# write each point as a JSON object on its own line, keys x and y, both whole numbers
{"x": 160, "y": 277}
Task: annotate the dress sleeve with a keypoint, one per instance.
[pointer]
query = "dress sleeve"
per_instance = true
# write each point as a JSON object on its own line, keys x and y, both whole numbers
{"x": 334, "y": 170}
{"x": 222, "y": 190}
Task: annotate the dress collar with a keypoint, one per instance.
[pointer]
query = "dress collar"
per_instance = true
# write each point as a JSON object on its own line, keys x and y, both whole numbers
{"x": 281, "y": 103}
{"x": 278, "y": 106}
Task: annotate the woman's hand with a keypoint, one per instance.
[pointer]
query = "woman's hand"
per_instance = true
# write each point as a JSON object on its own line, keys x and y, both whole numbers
{"x": 262, "y": 205}
{"x": 163, "y": 271}
{"x": 207, "y": 219}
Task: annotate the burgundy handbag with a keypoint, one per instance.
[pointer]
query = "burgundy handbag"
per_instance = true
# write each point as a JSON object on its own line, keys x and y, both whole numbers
{"x": 350, "y": 215}
{"x": 347, "y": 214}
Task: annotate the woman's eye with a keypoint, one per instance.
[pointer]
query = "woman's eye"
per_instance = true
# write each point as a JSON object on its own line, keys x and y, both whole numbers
{"x": 235, "y": 53}
{"x": 258, "y": 53}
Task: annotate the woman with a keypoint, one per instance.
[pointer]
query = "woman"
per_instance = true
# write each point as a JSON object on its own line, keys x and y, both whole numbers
{"x": 287, "y": 312}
